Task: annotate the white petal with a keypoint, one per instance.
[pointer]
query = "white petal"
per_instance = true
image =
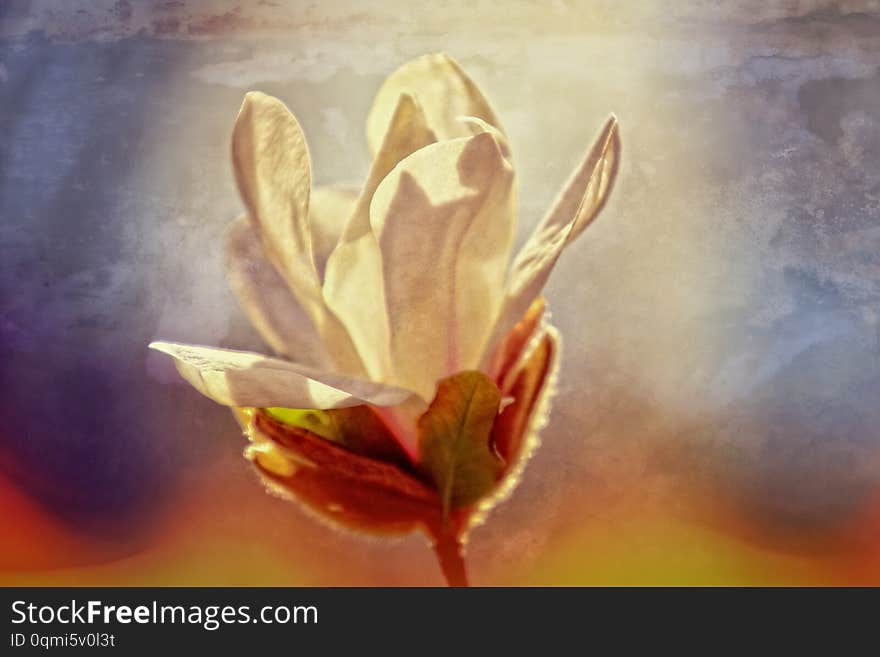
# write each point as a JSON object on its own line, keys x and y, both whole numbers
{"x": 476, "y": 125}
{"x": 444, "y": 91}
{"x": 273, "y": 172}
{"x": 353, "y": 287}
{"x": 589, "y": 187}
{"x": 266, "y": 299}
{"x": 406, "y": 132}
{"x": 444, "y": 221}
{"x": 580, "y": 201}
{"x": 241, "y": 378}
{"x": 330, "y": 208}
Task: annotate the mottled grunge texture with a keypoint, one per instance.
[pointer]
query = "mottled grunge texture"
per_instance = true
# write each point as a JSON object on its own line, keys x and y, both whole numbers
{"x": 718, "y": 415}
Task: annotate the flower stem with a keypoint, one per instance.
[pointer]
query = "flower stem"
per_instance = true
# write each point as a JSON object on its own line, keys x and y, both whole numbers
{"x": 449, "y": 551}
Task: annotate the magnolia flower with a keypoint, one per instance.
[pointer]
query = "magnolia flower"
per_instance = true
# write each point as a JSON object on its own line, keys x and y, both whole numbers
{"x": 413, "y": 364}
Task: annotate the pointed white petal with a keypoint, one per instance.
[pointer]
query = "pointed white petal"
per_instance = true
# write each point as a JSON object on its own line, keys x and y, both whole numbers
{"x": 406, "y": 132}
{"x": 444, "y": 221}
{"x": 353, "y": 287}
{"x": 589, "y": 187}
{"x": 476, "y": 125}
{"x": 241, "y": 378}
{"x": 444, "y": 91}
{"x": 266, "y": 299}
{"x": 579, "y": 203}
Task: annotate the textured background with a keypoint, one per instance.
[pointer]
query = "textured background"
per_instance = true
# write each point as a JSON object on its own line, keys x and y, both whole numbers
{"x": 718, "y": 419}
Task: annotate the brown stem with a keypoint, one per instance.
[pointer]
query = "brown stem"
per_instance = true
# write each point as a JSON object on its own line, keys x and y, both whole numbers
{"x": 449, "y": 551}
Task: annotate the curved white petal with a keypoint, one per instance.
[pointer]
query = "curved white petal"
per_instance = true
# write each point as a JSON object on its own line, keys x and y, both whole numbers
{"x": 444, "y": 91}
{"x": 273, "y": 171}
{"x": 266, "y": 299}
{"x": 241, "y": 378}
{"x": 579, "y": 203}
{"x": 444, "y": 221}
{"x": 353, "y": 287}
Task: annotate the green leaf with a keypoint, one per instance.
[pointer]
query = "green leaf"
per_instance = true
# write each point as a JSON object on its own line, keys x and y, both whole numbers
{"x": 454, "y": 437}
{"x": 357, "y": 428}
